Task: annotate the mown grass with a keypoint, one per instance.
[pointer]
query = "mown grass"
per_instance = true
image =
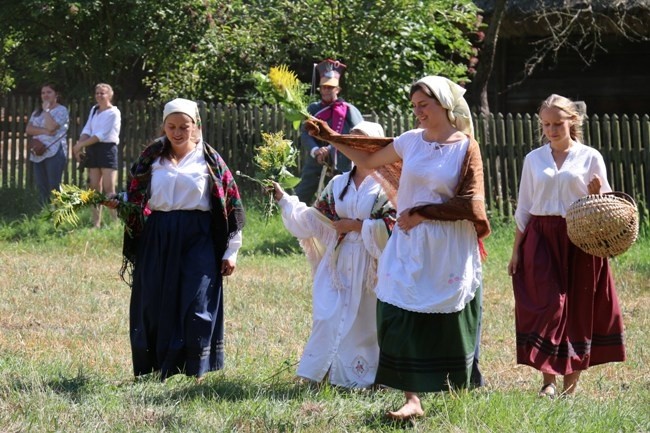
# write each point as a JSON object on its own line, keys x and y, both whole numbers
{"x": 65, "y": 361}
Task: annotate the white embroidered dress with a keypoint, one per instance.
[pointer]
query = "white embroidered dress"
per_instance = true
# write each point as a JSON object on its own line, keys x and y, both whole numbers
{"x": 343, "y": 338}
{"x": 436, "y": 266}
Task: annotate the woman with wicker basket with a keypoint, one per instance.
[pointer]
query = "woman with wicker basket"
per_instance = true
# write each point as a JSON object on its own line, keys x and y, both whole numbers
{"x": 342, "y": 234}
{"x": 429, "y": 275}
{"x": 567, "y": 315}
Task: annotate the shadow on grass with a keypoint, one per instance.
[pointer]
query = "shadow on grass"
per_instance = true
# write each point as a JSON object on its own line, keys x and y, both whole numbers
{"x": 285, "y": 246}
{"x": 71, "y": 387}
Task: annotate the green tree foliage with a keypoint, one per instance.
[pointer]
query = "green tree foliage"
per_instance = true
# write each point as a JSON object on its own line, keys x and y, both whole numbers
{"x": 386, "y": 44}
{"x": 208, "y": 49}
{"x": 122, "y": 42}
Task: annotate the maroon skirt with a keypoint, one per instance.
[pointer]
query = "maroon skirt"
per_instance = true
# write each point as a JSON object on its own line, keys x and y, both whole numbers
{"x": 567, "y": 314}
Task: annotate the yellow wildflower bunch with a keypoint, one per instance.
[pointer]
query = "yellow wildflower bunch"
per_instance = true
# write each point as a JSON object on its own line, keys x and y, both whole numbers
{"x": 272, "y": 160}
{"x": 282, "y": 86}
{"x": 274, "y": 157}
{"x": 66, "y": 202}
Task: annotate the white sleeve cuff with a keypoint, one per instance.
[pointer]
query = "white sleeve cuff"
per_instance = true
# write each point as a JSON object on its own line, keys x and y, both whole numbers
{"x": 233, "y": 247}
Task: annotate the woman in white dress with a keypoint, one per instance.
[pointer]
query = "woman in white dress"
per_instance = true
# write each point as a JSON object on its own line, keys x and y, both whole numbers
{"x": 429, "y": 275}
{"x": 343, "y": 234}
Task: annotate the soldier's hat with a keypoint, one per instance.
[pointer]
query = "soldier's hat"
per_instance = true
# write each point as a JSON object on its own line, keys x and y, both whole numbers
{"x": 330, "y": 72}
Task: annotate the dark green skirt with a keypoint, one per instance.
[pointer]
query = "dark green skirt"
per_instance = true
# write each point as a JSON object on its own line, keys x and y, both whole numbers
{"x": 422, "y": 352}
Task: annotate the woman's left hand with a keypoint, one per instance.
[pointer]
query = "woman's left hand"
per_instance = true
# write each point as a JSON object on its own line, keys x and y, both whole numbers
{"x": 112, "y": 202}
{"x": 77, "y": 150}
{"x": 227, "y": 267}
{"x": 407, "y": 220}
{"x": 346, "y": 225}
{"x": 593, "y": 187}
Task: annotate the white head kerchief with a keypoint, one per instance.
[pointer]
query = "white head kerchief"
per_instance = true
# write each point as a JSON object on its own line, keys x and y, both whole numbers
{"x": 185, "y": 106}
{"x": 371, "y": 129}
{"x": 451, "y": 97}
{"x": 180, "y": 105}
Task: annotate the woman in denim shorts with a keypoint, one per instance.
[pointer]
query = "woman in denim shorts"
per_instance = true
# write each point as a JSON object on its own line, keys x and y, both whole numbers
{"x": 99, "y": 139}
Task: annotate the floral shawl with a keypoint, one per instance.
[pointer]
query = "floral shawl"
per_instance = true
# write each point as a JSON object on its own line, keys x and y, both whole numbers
{"x": 381, "y": 209}
{"x": 228, "y": 215}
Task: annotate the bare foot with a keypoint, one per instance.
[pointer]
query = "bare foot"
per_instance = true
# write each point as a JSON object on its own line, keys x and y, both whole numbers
{"x": 412, "y": 409}
{"x": 571, "y": 382}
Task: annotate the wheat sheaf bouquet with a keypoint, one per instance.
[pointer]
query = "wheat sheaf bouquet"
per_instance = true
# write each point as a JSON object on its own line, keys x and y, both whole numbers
{"x": 70, "y": 199}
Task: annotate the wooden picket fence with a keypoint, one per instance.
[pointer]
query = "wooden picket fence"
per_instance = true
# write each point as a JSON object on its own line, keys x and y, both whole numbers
{"x": 235, "y": 130}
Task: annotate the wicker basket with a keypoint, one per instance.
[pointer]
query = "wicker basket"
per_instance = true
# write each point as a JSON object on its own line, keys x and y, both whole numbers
{"x": 604, "y": 225}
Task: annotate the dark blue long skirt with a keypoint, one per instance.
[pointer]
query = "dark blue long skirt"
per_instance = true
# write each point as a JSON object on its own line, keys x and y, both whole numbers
{"x": 176, "y": 322}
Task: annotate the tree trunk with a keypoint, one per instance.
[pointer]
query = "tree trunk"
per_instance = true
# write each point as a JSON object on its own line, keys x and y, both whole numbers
{"x": 486, "y": 56}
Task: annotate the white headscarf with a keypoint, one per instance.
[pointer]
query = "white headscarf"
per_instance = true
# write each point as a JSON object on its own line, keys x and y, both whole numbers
{"x": 185, "y": 106}
{"x": 371, "y": 129}
{"x": 180, "y": 105}
{"x": 451, "y": 98}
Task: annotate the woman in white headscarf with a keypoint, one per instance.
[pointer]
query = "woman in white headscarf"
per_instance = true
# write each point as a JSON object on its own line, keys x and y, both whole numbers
{"x": 343, "y": 234}
{"x": 180, "y": 253}
{"x": 429, "y": 275}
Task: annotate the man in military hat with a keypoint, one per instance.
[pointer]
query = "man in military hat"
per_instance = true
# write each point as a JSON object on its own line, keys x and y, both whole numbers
{"x": 341, "y": 116}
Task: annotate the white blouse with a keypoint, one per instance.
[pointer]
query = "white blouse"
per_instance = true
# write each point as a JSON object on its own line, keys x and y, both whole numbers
{"x": 546, "y": 190}
{"x": 104, "y": 125}
{"x": 436, "y": 266}
{"x": 185, "y": 186}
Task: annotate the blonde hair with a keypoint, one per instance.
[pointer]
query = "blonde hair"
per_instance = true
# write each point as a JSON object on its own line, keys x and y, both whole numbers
{"x": 107, "y": 87}
{"x": 569, "y": 107}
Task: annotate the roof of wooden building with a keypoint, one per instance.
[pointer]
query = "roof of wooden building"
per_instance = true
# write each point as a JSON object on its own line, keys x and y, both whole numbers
{"x": 523, "y": 17}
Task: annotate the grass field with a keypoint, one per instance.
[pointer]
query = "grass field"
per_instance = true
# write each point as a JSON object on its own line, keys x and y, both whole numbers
{"x": 65, "y": 361}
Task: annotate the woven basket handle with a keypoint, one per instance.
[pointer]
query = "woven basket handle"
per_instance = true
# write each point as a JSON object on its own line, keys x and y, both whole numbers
{"x": 623, "y": 196}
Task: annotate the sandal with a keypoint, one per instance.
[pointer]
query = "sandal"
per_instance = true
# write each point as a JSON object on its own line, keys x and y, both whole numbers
{"x": 548, "y": 390}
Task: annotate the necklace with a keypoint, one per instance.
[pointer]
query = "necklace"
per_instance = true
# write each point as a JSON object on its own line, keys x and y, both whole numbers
{"x": 177, "y": 156}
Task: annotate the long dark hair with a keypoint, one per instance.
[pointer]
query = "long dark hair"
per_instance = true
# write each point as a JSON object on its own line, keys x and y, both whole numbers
{"x": 39, "y": 106}
{"x": 347, "y": 185}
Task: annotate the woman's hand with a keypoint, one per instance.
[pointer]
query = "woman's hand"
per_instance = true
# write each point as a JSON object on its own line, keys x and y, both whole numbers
{"x": 512, "y": 265}
{"x": 112, "y": 202}
{"x": 347, "y": 225}
{"x": 77, "y": 150}
{"x": 319, "y": 129}
{"x": 277, "y": 190}
{"x": 407, "y": 220}
{"x": 593, "y": 187}
{"x": 227, "y": 267}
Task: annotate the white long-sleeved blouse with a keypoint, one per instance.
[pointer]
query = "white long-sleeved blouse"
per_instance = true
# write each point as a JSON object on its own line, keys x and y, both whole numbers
{"x": 185, "y": 186}
{"x": 546, "y": 190}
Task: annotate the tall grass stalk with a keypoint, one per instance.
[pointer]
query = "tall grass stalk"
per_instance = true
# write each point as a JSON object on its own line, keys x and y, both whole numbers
{"x": 65, "y": 363}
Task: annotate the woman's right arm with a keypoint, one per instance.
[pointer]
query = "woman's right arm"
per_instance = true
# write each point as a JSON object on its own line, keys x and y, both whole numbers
{"x": 384, "y": 156}
{"x": 35, "y": 130}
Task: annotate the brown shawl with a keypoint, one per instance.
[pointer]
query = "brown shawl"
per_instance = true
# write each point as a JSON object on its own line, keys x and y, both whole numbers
{"x": 467, "y": 204}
